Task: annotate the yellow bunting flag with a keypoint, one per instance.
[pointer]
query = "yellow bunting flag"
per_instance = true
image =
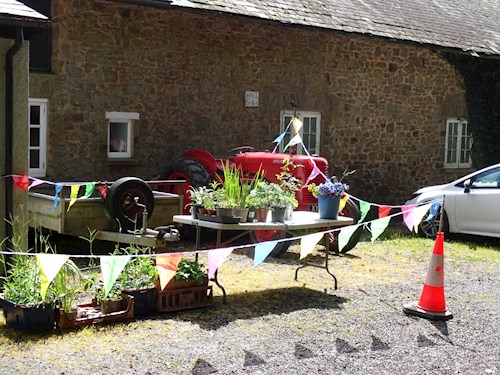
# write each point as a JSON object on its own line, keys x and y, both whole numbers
{"x": 343, "y": 202}
{"x": 73, "y": 195}
{"x": 297, "y": 124}
{"x": 308, "y": 242}
{"x": 167, "y": 264}
{"x": 111, "y": 267}
{"x": 49, "y": 264}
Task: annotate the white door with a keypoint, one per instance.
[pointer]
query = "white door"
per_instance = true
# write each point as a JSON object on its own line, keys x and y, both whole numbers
{"x": 37, "y": 137}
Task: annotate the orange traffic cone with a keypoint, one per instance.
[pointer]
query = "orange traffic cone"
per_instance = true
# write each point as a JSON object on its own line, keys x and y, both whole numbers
{"x": 432, "y": 304}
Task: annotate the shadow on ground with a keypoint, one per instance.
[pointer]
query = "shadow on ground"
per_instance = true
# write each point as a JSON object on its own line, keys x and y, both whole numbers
{"x": 257, "y": 304}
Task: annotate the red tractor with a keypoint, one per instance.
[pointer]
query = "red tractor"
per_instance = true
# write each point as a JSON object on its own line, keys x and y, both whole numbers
{"x": 199, "y": 168}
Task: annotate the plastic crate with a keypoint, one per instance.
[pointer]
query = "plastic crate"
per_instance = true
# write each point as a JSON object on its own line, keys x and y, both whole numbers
{"x": 29, "y": 318}
{"x": 143, "y": 300}
{"x": 183, "y": 299}
{"x": 89, "y": 314}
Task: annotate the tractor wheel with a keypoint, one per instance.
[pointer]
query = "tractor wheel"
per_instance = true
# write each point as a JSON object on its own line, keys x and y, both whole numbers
{"x": 257, "y": 236}
{"x": 121, "y": 205}
{"x": 187, "y": 169}
{"x": 351, "y": 209}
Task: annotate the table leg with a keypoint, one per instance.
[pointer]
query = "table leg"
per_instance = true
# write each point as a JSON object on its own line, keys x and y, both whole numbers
{"x": 326, "y": 240}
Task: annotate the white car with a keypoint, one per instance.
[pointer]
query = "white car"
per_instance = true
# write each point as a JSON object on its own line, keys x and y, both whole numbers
{"x": 471, "y": 204}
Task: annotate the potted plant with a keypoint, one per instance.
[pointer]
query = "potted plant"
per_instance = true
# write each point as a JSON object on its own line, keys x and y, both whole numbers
{"x": 259, "y": 200}
{"x": 198, "y": 196}
{"x": 66, "y": 284}
{"x": 139, "y": 278}
{"x": 189, "y": 273}
{"x": 22, "y": 303}
{"x": 279, "y": 200}
{"x": 328, "y": 194}
{"x": 110, "y": 302}
{"x": 290, "y": 184}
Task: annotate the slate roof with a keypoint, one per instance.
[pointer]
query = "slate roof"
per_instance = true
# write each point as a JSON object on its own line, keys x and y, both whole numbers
{"x": 13, "y": 12}
{"x": 468, "y": 25}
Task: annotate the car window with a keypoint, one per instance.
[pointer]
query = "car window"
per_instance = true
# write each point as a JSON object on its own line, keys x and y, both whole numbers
{"x": 488, "y": 179}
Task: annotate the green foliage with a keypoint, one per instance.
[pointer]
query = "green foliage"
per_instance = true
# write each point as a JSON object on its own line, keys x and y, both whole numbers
{"x": 140, "y": 272}
{"x": 191, "y": 270}
{"x": 66, "y": 284}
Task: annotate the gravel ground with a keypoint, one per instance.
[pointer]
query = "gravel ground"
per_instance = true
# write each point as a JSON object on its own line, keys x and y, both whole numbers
{"x": 293, "y": 327}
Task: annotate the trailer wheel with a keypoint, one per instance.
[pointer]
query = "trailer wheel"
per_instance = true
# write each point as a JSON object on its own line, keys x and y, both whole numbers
{"x": 121, "y": 205}
{"x": 351, "y": 209}
{"x": 187, "y": 169}
{"x": 257, "y": 236}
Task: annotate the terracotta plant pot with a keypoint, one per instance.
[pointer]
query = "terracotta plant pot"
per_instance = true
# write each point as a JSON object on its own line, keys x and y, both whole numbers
{"x": 261, "y": 214}
{"x": 111, "y": 306}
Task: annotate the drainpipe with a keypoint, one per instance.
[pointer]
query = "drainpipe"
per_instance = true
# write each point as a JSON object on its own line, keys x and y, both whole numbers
{"x": 9, "y": 127}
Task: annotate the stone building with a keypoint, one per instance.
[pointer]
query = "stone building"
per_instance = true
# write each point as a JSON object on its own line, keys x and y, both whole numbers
{"x": 127, "y": 86}
{"x": 17, "y": 24}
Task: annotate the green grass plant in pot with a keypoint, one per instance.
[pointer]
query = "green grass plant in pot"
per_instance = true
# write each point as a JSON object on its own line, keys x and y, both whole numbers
{"x": 139, "y": 278}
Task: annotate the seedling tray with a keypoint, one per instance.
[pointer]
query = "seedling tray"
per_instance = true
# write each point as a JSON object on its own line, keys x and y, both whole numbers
{"x": 89, "y": 314}
{"x": 183, "y": 299}
{"x": 220, "y": 219}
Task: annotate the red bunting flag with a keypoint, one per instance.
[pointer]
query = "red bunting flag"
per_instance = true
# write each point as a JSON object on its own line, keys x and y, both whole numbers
{"x": 383, "y": 211}
{"x": 21, "y": 181}
{"x": 167, "y": 264}
{"x": 103, "y": 189}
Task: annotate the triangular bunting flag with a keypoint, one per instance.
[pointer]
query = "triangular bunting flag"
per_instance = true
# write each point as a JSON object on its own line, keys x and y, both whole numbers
{"x": 418, "y": 215}
{"x": 364, "y": 207}
{"x": 166, "y": 265}
{"x": 314, "y": 173}
{"x": 111, "y": 267}
{"x": 378, "y": 227}
{"x": 383, "y": 211}
{"x": 343, "y": 202}
{"x": 294, "y": 141}
{"x": 89, "y": 189}
{"x": 345, "y": 235}
{"x": 216, "y": 258}
{"x": 297, "y": 124}
{"x": 103, "y": 189}
{"x": 408, "y": 215}
{"x": 21, "y": 181}
{"x": 308, "y": 242}
{"x": 73, "y": 195}
{"x": 279, "y": 138}
{"x": 58, "y": 188}
{"x": 435, "y": 206}
{"x": 36, "y": 182}
{"x": 49, "y": 264}
{"x": 262, "y": 250}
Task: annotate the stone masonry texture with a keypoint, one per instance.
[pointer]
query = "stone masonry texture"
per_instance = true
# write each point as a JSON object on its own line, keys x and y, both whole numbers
{"x": 383, "y": 103}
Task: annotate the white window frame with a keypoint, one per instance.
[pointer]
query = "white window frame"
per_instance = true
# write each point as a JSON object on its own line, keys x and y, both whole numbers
{"x": 458, "y": 144}
{"x": 128, "y": 119}
{"x": 41, "y": 170}
{"x": 303, "y": 116}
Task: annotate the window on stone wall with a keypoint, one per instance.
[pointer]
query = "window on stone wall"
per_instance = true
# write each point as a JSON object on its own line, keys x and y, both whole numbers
{"x": 37, "y": 129}
{"x": 309, "y": 132}
{"x": 458, "y": 144}
{"x": 120, "y": 134}
{"x": 41, "y": 42}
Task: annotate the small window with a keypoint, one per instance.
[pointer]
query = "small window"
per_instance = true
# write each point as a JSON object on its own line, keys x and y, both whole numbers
{"x": 37, "y": 129}
{"x": 309, "y": 132}
{"x": 120, "y": 134}
{"x": 458, "y": 144}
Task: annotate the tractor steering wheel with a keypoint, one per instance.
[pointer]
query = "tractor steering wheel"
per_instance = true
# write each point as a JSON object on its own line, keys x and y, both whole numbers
{"x": 240, "y": 150}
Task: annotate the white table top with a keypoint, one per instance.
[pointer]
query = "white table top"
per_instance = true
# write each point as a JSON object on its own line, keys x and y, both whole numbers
{"x": 300, "y": 220}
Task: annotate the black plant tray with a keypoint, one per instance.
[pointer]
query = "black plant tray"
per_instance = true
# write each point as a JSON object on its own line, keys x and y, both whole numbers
{"x": 220, "y": 219}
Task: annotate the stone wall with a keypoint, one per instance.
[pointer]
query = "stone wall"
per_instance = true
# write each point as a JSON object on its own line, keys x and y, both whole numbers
{"x": 383, "y": 104}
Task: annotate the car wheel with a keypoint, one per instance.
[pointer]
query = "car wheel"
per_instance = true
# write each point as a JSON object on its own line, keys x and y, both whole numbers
{"x": 430, "y": 228}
